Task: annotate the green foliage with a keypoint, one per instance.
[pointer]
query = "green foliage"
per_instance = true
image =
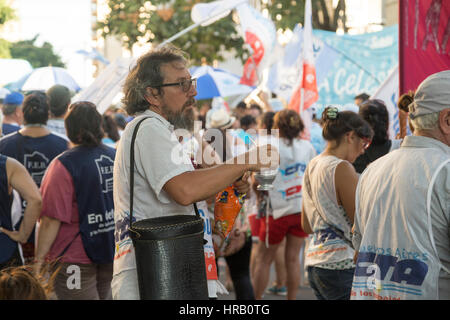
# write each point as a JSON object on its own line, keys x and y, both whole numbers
{"x": 139, "y": 21}
{"x": 287, "y": 13}
{"x": 37, "y": 56}
{"x": 291, "y": 12}
{"x": 4, "y": 49}
{"x": 135, "y": 21}
{"x": 6, "y": 12}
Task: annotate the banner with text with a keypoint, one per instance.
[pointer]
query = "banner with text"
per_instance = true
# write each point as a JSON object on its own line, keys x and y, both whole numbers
{"x": 346, "y": 65}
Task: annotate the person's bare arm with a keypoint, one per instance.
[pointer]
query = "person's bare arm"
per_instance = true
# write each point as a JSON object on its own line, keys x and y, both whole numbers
{"x": 305, "y": 222}
{"x": 346, "y": 180}
{"x": 48, "y": 230}
{"x": 193, "y": 186}
{"x": 20, "y": 180}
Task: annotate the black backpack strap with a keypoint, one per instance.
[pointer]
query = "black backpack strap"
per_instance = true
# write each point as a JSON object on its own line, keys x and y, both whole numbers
{"x": 133, "y": 139}
{"x": 68, "y": 246}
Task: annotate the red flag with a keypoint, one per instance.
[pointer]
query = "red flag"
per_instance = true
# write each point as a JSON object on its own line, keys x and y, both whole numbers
{"x": 259, "y": 32}
{"x": 250, "y": 76}
{"x": 307, "y": 81}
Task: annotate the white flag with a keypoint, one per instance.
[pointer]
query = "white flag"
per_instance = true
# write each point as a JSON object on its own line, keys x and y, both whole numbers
{"x": 214, "y": 10}
{"x": 388, "y": 92}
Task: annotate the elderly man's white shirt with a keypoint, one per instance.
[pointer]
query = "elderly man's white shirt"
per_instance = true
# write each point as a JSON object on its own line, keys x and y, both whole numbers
{"x": 391, "y": 218}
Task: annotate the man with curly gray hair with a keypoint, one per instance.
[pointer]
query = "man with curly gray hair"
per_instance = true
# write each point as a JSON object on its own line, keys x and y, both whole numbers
{"x": 160, "y": 91}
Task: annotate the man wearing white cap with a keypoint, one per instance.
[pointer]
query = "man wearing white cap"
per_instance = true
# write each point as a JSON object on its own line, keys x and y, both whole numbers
{"x": 402, "y": 209}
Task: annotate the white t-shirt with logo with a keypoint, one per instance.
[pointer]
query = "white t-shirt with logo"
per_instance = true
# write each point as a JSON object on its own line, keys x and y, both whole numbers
{"x": 286, "y": 197}
{"x": 158, "y": 158}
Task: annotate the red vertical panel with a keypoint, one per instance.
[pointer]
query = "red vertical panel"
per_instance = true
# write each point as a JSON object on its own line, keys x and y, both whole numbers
{"x": 424, "y": 40}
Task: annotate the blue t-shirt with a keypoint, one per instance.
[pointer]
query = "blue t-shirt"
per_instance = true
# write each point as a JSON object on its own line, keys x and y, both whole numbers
{"x": 9, "y": 128}
{"x": 7, "y": 245}
{"x": 34, "y": 153}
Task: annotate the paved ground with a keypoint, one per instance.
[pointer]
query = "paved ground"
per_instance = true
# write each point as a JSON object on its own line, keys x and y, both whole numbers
{"x": 304, "y": 292}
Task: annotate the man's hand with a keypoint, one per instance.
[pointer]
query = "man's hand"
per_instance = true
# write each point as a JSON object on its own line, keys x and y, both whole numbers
{"x": 243, "y": 185}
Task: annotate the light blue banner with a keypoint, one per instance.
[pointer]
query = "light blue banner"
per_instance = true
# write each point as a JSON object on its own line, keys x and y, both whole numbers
{"x": 346, "y": 65}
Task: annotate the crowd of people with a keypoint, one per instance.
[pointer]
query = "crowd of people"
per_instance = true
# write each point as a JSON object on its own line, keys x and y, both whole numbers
{"x": 373, "y": 212}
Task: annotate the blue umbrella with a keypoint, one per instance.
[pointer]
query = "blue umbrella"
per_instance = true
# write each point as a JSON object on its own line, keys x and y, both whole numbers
{"x": 213, "y": 82}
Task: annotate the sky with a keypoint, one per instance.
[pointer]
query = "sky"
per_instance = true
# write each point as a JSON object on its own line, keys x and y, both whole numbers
{"x": 66, "y": 24}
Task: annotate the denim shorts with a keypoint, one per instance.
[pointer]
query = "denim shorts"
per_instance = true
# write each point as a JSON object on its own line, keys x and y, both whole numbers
{"x": 331, "y": 284}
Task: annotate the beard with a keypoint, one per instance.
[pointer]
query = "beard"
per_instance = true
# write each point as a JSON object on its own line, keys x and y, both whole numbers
{"x": 183, "y": 119}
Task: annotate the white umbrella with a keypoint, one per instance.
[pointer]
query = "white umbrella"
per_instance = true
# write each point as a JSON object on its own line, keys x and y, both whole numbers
{"x": 13, "y": 69}
{"x": 46, "y": 77}
{"x": 212, "y": 82}
{"x": 4, "y": 92}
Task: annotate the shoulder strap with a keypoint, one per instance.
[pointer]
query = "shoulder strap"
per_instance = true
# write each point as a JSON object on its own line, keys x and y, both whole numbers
{"x": 68, "y": 246}
{"x": 133, "y": 139}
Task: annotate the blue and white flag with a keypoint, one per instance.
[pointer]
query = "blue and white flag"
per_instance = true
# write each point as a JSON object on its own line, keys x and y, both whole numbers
{"x": 94, "y": 55}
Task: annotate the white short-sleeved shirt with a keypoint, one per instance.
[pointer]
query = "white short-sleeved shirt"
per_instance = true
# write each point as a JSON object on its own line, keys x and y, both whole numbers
{"x": 158, "y": 158}
{"x": 391, "y": 224}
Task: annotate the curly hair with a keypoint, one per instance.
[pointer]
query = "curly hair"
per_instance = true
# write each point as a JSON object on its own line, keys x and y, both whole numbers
{"x": 35, "y": 108}
{"x": 289, "y": 123}
{"x": 147, "y": 73}
{"x": 84, "y": 124}
{"x": 336, "y": 124}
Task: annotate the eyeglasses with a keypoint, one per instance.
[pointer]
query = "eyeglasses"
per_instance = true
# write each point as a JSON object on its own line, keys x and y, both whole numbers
{"x": 367, "y": 143}
{"x": 185, "y": 85}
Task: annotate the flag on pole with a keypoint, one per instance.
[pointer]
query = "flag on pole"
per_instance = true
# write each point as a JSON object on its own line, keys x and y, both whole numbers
{"x": 306, "y": 93}
{"x": 214, "y": 10}
{"x": 260, "y": 33}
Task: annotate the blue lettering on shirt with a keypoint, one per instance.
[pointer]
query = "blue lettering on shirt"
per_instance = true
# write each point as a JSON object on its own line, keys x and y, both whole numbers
{"x": 408, "y": 271}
